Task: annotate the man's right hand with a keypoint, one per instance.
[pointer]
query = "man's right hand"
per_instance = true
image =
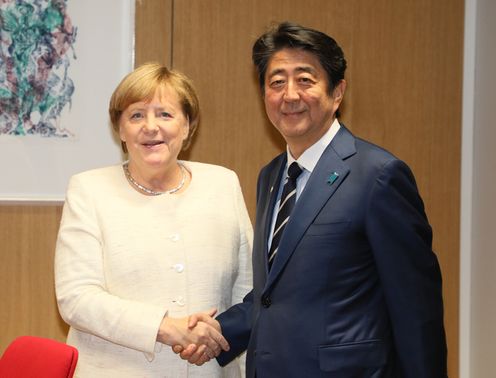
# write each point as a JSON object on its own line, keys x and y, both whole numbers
{"x": 198, "y": 337}
{"x": 194, "y": 353}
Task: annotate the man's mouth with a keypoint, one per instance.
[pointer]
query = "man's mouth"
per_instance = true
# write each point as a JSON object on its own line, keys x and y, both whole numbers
{"x": 293, "y": 113}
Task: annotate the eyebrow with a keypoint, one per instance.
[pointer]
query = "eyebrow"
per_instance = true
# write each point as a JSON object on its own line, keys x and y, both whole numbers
{"x": 147, "y": 106}
{"x": 307, "y": 69}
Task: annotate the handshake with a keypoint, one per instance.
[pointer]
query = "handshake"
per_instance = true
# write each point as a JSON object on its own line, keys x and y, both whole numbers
{"x": 196, "y": 338}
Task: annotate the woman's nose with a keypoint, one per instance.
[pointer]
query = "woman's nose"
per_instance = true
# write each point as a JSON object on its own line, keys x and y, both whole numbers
{"x": 150, "y": 124}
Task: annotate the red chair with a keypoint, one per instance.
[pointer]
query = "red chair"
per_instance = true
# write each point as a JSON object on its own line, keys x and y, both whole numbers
{"x": 37, "y": 357}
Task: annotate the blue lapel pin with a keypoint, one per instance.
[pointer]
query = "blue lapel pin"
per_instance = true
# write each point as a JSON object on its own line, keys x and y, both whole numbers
{"x": 333, "y": 177}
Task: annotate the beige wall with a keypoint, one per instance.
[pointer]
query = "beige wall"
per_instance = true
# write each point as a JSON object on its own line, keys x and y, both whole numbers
{"x": 404, "y": 93}
{"x": 405, "y": 75}
{"x": 27, "y": 298}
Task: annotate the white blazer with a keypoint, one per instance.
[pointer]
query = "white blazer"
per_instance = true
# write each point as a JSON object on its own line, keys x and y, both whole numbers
{"x": 123, "y": 260}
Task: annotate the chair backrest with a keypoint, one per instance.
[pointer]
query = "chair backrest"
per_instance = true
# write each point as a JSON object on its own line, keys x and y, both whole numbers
{"x": 30, "y": 357}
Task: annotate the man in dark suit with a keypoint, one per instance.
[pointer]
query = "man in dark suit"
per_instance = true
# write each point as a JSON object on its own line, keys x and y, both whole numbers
{"x": 353, "y": 288}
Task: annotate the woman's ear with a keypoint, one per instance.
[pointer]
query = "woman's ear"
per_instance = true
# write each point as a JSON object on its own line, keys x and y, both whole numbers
{"x": 122, "y": 134}
{"x": 119, "y": 128}
{"x": 186, "y": 129}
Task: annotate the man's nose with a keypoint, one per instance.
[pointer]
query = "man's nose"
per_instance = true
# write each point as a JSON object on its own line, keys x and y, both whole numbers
{"x": 291, "y": 92}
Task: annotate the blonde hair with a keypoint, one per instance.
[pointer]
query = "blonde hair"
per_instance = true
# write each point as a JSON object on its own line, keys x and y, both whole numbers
{"x": 141, "y": 85}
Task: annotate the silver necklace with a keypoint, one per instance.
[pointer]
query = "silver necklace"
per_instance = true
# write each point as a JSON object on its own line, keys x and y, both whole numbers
{"x": 151, "y": 192}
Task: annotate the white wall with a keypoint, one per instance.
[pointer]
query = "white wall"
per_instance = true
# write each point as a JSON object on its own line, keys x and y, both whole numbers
{"x": 478, "y": 234}
{"x": 483, "y": 288}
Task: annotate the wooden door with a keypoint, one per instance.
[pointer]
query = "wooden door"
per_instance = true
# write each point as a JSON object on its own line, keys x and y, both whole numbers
{"x": 404, "y": 93}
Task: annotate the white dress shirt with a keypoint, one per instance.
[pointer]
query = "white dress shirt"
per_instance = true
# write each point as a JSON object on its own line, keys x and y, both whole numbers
{"x": 307, "y": 161}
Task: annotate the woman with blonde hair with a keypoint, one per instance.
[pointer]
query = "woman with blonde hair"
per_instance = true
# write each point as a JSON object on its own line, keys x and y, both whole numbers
{"x": 143, "y": 244}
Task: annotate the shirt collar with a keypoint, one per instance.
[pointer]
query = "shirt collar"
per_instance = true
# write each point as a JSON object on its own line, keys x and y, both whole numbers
{"x": 309, "y": 158}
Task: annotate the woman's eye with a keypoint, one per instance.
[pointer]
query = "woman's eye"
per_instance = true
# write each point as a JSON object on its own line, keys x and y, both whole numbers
{"x": 165, "y": 115}
{"x": 136, "y": 116}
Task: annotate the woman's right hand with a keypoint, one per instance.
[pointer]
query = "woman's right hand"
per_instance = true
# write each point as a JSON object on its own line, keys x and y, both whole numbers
{"x": 202, "y": 336}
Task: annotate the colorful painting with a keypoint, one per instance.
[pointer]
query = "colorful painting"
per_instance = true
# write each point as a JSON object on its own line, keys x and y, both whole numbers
{"x": 36, "y": 48}
{"x": 60, "y": 61}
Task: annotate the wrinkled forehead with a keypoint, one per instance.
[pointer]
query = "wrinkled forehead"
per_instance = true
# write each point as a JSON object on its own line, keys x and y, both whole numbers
{"x": 293, "y": 61}
{"x": 162, "y": 93}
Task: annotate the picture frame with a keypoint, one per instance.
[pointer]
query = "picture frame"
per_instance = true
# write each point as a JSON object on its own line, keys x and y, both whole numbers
{"x": 37, "y": 168}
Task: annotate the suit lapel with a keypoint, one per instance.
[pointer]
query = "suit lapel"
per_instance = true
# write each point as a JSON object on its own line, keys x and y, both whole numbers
{"x": 325, "y": 179}
{"x": 268, "y": 209}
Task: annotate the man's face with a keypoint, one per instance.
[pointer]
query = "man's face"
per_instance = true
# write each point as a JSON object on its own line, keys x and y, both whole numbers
{"x": 297, "y": 100}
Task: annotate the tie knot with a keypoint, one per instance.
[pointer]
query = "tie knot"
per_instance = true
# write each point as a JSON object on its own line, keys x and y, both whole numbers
{"x": 294, "y": 170}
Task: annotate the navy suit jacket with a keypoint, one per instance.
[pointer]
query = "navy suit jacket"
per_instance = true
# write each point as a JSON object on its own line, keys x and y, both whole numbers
{"x": 355, "y": 289}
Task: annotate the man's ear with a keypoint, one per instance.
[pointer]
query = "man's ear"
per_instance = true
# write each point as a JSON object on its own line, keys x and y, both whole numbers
{"x": 338, "y": 92}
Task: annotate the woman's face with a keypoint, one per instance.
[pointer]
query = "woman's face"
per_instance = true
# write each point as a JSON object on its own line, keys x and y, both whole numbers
{"x": 154, "y": 131}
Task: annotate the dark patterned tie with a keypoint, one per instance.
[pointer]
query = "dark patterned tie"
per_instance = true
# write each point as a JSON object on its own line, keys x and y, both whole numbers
{"x": 288, "y": 199}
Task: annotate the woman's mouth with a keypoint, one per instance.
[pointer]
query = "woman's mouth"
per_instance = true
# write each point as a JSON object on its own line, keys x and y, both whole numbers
{"x": 152, "y": 143}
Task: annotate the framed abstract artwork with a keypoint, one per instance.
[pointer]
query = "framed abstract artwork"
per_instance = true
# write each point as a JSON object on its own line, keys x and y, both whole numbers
{"x": 60, "y": 61}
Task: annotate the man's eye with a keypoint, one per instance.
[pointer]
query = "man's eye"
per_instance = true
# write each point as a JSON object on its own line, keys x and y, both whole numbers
{"x": 276, "y": 83}
{"x": 306, "y": 80}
